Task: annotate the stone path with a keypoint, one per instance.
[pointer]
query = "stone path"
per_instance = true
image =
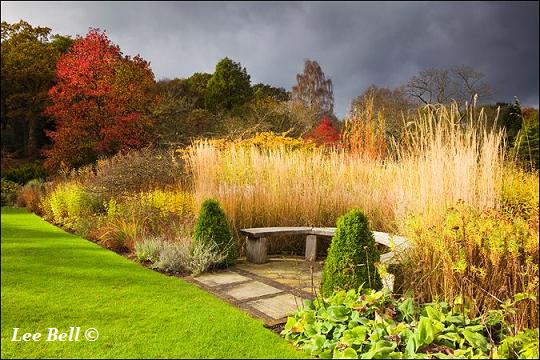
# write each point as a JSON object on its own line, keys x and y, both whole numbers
{"x": 262, "y": 297}
{"x": 269, "y": 291}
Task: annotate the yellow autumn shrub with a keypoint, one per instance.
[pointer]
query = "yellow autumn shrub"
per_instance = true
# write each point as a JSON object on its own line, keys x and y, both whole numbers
{"x": 487, "y": 256}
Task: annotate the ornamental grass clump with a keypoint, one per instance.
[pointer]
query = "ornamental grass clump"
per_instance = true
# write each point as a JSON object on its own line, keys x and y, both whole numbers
{"x": 31, "y": 195}
{"x": 439, "y": 159}
{"x": 212, "y": 228}
{"x": 352, "y": 256}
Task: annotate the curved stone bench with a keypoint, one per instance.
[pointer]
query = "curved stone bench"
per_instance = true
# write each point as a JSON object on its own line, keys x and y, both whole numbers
{"x": 257, "y": 243}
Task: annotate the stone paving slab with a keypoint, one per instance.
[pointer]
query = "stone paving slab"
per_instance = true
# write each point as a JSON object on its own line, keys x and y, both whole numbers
{"x": 279, "y": 306}
{"x": 270, "y": 291}
{"x": 223, "y": 278}
{"x": 251, "y": 289}
{"x": 290, "y": 272}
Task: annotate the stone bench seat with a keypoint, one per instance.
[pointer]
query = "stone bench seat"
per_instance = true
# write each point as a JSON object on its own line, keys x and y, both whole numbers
{"x": 257, "y": 243}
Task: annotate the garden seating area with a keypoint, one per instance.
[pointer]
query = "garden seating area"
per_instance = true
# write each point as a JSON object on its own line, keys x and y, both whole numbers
{"x": 257, "y": 247}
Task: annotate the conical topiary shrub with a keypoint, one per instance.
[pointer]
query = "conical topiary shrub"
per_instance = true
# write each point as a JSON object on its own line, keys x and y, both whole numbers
{"x": 212, "y": 228}
{"x": 352, "y": 256}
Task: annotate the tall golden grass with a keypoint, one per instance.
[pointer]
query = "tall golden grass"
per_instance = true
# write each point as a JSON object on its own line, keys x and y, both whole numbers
{"x": 364, "y": 132}
{"x": 442, "y": 159}
{"x": 439, "y": 161}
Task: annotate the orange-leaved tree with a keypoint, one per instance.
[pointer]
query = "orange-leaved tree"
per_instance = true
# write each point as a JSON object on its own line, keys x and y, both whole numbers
{"x": 101, "y": 104}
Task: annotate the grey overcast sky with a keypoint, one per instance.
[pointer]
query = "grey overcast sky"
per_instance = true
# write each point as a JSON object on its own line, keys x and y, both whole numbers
{"x": 356, "y": 43}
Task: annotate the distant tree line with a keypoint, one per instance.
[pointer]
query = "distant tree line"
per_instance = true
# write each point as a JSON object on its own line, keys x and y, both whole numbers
{"x": 72, "y": 101}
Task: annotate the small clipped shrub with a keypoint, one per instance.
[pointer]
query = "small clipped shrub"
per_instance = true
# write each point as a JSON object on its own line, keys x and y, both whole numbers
{"x": 212, "y": 228}
{"x": 352, "y": 256}
{"x": 9, "y": 192}
{"x": 24, "y": 173}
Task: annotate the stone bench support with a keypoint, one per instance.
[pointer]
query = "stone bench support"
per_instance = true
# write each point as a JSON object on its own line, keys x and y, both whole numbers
{"x": 257, "y": 250}
{"x": 311, "y": 247}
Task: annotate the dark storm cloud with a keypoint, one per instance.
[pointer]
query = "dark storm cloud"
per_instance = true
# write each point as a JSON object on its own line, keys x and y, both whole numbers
{"x": 356, "y": 44}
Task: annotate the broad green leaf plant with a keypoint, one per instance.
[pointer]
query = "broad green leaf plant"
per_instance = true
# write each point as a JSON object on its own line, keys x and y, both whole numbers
{"x": 368, "y": 324}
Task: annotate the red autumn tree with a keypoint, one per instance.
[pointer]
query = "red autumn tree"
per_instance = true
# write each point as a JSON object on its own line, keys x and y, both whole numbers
{"x": 101, "y": 103}
{"x": 325, "y": 133}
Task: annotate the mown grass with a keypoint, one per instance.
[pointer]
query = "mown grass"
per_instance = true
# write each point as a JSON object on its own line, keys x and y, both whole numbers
{"x": 54, "y": 279}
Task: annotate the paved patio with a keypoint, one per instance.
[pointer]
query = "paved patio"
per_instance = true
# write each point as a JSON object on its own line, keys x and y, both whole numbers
{"x": 270, "y": 291}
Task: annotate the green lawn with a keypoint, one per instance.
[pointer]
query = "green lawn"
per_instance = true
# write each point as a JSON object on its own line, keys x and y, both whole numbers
{"x": 54, "y": 279}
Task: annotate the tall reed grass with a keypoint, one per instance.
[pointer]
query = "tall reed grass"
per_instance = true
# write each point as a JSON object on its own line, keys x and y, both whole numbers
{"x": 439, "y": 161}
